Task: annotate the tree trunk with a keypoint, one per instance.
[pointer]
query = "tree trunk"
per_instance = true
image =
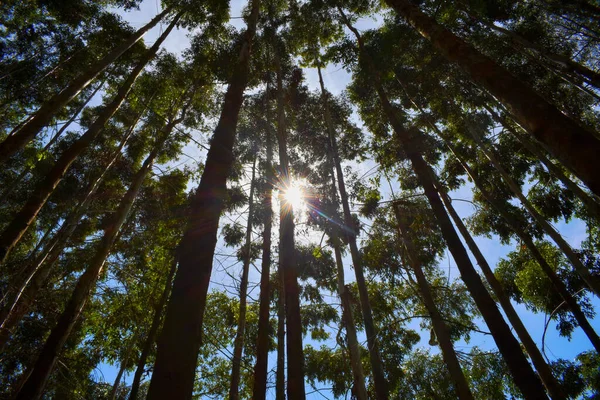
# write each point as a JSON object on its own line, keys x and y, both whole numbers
{"x": 115, "y": 387}
{"x": 576, "y": 147}
{"x": 523, "y": 375}
{"x": 180, "y": 340}
{"x": 370, "y": 329}
{"x": 238, "y": 344}
{"x": 151, "y": 338}
{"x": 33, "y": 388}
{"x": 558, "y": 285}
{"x": 19, "y": 225}
{"x": 353, "y": 345}
{"x": 531, "y": 348}
{"x": 47, "y": 111}
{"x": 259, "y": 391}
{"x": 439, "y": 326}
{"x": 28, "y": 281}
{"x": 592, "y": 282}
{"x": 280, "y": 377}
{"x": 287, "y": 258}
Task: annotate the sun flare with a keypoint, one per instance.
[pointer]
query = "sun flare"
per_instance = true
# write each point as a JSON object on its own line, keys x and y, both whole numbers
{"x": 294, "y": 196}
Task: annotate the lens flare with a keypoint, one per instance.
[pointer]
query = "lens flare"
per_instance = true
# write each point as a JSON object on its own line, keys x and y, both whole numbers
{"x": 294, "y": 196}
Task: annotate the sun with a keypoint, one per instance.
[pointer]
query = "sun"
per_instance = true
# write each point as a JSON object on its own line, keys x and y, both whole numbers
{"x": 294, "y": 196}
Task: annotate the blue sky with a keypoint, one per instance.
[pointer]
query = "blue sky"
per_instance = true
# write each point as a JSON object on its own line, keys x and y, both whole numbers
{"x": 336, "y": 80}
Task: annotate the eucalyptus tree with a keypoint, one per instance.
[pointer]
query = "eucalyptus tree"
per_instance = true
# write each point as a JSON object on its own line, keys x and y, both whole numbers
{"x": 295, "y": 374}
{"x": 311, "y": 136}
{"x": 439, "y": 327}
{"x": 262, "y": 342}
{"x": 179, "y": 342}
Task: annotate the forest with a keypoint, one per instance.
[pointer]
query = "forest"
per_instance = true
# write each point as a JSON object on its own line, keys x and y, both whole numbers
{"x": 292, "y": 199}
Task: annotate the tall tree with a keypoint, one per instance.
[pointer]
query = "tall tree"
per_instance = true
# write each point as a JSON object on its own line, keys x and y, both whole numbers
{"x": 371, "y": 331}
{"x": 179, "y": 341}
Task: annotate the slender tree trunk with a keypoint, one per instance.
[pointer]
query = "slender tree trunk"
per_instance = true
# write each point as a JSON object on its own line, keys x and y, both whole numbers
{"x": 591, "y": 204}
{"x": 353, "y": 345}
{"x": 259, "y": 390}
{"x": 439, "y": 326}
{"x": 347, "y": 317}
{"x": 53, "y": 140}
{"x": 35, "y": 274}
{"x": 238, "y": 344}
{"x": 558, "y": 285}
{"x": 531, "y": 348}
{"x": 47, "y": 111}
{"x": 523, "y": 375}
{"x": 19, "y": 225}
{"x": 287, "y": 258}
{"x": 33, "y": 388}
{"x": 115, "y": 388}
{"x": 151, "y": 338}
{"x": 370, "y": 329}
{"x": 592, "y": 282}
{"x": 180, "y": 340}
{"x": 576, "y": 147}
{"x": 280, "y": 377}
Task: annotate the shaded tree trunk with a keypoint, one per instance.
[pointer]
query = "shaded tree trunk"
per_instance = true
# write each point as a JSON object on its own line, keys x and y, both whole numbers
{"x": 35, "y": 274}
{"x": 358, "y": 374}
{"x": 287, "y": 258}
{"x": 592, "y": 282}
{"x": 44, "y": 115}
{"x": 576, "y": 147}
{"x": 151, "y": 338}
{"x": 33, "y": 388}
{"x": 24, "y": 218}
{"x": 370, "y": 329}
{"x": 439, "y": 326}
{"x": 259, "y": 391}
{"x": 180, "y": 339}
{"x": 115, "y": 387}
{"x": 523, "y": 375}
{"x": 238, "y": 344}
